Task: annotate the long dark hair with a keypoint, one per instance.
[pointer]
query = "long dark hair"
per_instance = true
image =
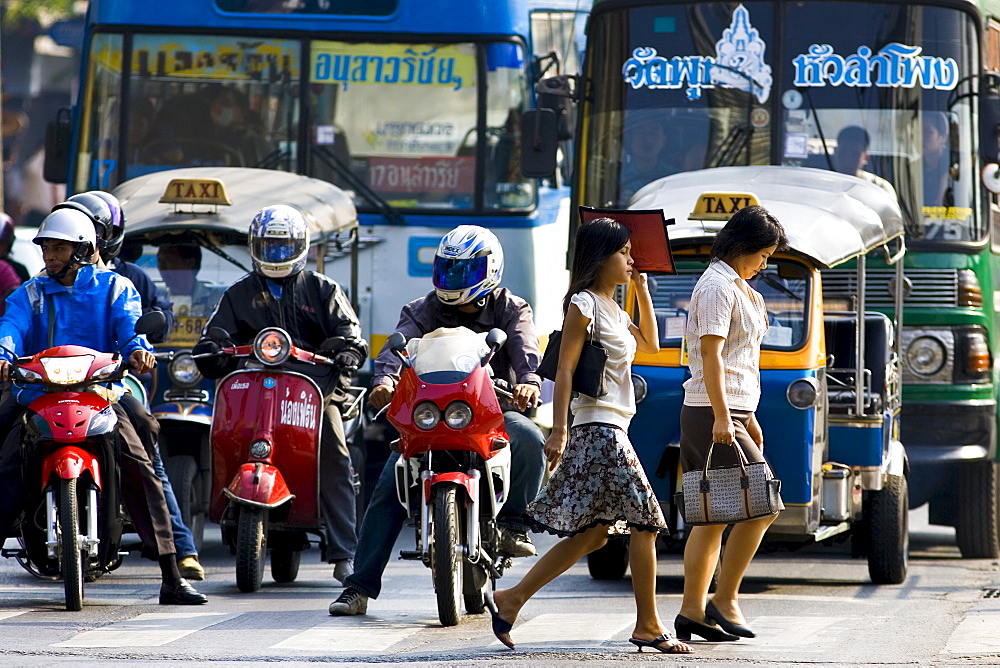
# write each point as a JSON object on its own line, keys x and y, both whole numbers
{"x": 596, "y": 241}
{"x": 748, "y": 231}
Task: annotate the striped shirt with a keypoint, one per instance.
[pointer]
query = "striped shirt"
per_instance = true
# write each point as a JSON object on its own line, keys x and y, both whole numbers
{"x": 720, "y": 307}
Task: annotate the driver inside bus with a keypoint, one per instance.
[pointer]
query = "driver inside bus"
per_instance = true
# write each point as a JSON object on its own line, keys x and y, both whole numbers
{"x": 850, "y": 156}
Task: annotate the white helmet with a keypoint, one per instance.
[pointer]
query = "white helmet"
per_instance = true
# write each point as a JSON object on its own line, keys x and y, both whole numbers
{"x": 70, "y": 225}
{"x": 468, "y": 265}
{"x": 279, "y": 241}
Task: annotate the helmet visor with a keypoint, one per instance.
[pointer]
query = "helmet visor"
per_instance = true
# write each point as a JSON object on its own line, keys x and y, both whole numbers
{"x": 275, "y": 250}
{"x": 452, "y": 274}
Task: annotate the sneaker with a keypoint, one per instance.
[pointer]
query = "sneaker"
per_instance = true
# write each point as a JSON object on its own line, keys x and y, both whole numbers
{"x": 190, "y": 568}
{"x": 350, "y": 602}
{"x": 516, "y": 543}
{"x": 343, "y": 568}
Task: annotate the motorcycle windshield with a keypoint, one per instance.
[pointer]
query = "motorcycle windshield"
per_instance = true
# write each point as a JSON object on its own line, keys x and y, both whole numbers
{"x": 446, "y": 355}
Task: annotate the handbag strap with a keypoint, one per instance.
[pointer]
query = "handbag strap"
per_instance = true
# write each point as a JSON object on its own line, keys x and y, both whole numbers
{"x": 594, "y": 331}
{"x": 742, "y": 458}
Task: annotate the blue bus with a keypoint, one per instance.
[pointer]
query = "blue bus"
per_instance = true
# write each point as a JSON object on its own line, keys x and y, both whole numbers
{"x": 413, "y": 108}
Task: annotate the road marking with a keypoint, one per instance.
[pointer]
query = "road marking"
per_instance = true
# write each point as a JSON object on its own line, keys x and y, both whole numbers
{"x": 975, "y": 634}
{"x": 579, "y": 630}
{"x": 7, "y": 614}
{"x": 151, "y": 629}
{"x": 351, "y": 635}
{"x": 810, "y": 634}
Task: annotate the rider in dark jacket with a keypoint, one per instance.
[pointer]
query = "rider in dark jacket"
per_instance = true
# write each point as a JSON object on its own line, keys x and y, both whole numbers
{"x": 312, "y": 308}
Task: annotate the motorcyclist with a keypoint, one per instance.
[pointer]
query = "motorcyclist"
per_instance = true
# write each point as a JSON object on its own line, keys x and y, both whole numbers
{"x": 467, "y": 270}
{"x": 312, "y": 308}
{"x": 108, "y": 217}
{"x": 76, "y": 302}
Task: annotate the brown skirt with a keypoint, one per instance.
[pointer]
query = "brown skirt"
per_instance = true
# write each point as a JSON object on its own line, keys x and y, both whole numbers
{"x": 696, "y": 437}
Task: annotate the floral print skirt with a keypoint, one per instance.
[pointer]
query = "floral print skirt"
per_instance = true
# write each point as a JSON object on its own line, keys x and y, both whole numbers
{"x": 599, "y": 481}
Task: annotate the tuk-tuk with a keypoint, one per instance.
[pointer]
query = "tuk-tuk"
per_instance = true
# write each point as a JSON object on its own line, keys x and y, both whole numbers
{"x": 188, "y": 229}
{"x": 830, "y": 377}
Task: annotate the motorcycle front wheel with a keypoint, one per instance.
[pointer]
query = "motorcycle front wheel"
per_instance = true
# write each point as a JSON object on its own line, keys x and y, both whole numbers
{"x": 446, "y": 554}
{"x": 71, "y": 555}
{"x": 251, "y": 548}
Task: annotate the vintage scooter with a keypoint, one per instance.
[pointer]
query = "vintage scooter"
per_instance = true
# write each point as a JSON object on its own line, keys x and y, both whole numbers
{"x": 453, "y": 474}
{"x": 265, "y": 454}
{"x": 74, "y": 521}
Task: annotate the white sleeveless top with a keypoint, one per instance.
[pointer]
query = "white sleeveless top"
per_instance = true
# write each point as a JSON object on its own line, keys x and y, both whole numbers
{"x": 617, "y": 406}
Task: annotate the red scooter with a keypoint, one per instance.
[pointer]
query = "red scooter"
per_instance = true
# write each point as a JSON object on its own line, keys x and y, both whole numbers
{"x": 74, "y": 520}
{"x": 265, "y": 454}
{"x": 453, "y": 474}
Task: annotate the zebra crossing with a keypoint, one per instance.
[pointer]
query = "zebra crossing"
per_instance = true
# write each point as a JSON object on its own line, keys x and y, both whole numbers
{"x": 400, "y": 634}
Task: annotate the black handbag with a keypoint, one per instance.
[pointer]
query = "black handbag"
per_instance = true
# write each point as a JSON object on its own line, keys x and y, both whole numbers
{"x": 589, "y": 375}
{"x": 728, "y": 494}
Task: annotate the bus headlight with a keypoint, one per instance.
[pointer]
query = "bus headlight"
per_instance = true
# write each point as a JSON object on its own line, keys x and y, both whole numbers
{"x": 458, "y": 415}
{"x": 802, "y": 392}
{"x": 926, "y": 355}
{"x": 639, "y": 388}
{"x": 426, "y": 415}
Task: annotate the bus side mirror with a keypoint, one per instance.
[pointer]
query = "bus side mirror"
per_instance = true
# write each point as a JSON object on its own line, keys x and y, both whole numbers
{"x": 58, "y": 135}
{"x": 539, "y": 143}
{"x": 989, "y": 118}
{"x": 556, "y": 93}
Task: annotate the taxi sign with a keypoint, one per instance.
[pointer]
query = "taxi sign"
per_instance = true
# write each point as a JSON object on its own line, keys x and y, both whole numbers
{"x": 195, "y": 191}
{"x": 721, "y": 205}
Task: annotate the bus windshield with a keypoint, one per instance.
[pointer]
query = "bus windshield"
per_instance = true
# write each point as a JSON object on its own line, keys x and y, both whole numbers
{"x": 413, "y": 125}
{"x": 682, "y": 87}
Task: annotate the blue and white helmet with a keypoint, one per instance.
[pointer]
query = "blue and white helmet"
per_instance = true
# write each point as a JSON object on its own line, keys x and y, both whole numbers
{"x": 468, "y": 265}
{"x": 279, "y": 241}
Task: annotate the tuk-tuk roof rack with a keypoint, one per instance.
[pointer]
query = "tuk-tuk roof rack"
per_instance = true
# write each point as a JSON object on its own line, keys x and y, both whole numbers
{"x": 328, "y": 210}
{"x": 828, "y": 217}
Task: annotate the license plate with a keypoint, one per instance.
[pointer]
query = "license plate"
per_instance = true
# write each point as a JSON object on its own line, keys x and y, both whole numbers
{"x": 186, "y": 332}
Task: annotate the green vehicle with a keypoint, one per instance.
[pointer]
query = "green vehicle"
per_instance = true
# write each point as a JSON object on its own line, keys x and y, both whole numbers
{"x": 900, "y": 94}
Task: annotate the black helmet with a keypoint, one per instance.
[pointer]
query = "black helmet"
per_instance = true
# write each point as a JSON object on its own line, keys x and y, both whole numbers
{"x": 97, "y": 210}
{"x": 111, "y": 243}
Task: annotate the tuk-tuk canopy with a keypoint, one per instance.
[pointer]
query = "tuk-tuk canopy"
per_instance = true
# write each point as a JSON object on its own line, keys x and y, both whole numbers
{"x": 828, "y": 217}
{"x": 195, "y": 198}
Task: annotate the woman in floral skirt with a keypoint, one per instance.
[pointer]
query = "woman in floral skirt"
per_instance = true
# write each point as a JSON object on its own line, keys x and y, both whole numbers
{"x": 599, "y": 487}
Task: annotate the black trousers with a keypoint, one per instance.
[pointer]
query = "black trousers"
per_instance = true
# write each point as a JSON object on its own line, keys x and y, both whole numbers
{"x": 336, "y": 493}
{"x": 142, "y": 492}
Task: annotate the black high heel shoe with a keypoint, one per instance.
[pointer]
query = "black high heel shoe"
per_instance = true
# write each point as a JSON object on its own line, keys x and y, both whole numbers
{"x": 501, "y": 627}
{"x": 711, "y": 612}
{"x": 685, "y": 627}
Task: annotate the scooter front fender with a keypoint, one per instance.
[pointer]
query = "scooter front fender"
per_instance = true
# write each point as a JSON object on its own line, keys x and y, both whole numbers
{"x": 259, "y": 484}
{"x": 463, "y": 480}
{"x": 70, "y": 462}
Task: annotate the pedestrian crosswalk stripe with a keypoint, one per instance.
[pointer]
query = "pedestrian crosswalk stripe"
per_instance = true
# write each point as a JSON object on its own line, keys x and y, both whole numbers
{"x": 977, "y": 633}
{"x": 147, "y": 630}
{"x": 339, "y": 634}
{"x": 817, "y": 633}
{"x": 7, "y": 614}
{"x": 571, "y": 630}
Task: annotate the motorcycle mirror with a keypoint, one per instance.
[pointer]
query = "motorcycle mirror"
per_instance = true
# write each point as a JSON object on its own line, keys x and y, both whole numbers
{"x": 333, "y": 344}
{"x": 495, "y": 339}
{"x": 397, "y": 344}
{"x": 152, "y": 322}
{"x": 218, "y": 334}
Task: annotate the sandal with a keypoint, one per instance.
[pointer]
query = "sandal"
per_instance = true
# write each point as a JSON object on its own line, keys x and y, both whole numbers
{"x": 664, "y": 643}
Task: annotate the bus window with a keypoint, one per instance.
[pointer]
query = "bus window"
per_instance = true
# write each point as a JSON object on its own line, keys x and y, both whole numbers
{"x": 398, "y": 118}
{"x": 505, "y": 187}
{"x": 98, "y": 150}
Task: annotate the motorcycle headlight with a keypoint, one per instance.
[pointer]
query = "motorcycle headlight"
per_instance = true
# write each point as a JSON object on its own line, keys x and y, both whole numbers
{"x": 67, "y": 370}
{"x": 106, "y": 371}
{"x": 426, "y": 415}
{"x": 272, "y": 345}
{"x": 458, "y": 415}
{"x": 183, "y": 370}
{"x": 926, "y": 355}
{"x": 29, "y": 375}
{"x": 802, "y": 392}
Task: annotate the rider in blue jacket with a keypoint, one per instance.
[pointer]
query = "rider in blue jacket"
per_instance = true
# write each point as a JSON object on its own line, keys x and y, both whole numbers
{"x": 77, "y": 303}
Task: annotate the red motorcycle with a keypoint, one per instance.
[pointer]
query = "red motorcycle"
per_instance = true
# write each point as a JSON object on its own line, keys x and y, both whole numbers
{"x": 453, "y": 474}
{"x": 265, "y": 454}
{"x": 75, "y": 518}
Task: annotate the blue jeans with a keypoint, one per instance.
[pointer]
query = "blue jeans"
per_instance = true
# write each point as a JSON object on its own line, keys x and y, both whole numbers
{"x": 385, "y": 516}
{"x": 183, "y": 539}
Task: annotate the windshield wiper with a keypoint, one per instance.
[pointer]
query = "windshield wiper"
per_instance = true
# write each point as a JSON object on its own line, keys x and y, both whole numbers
{"x": 779, "y": 286}
{"x": 358, "y": 184}
{"x": 740, "y": 134}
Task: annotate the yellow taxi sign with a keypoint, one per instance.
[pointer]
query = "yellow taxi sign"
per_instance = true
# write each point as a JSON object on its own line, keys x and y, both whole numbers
{"x": 195, "y": 191}
{"x": 721, "y": 206}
